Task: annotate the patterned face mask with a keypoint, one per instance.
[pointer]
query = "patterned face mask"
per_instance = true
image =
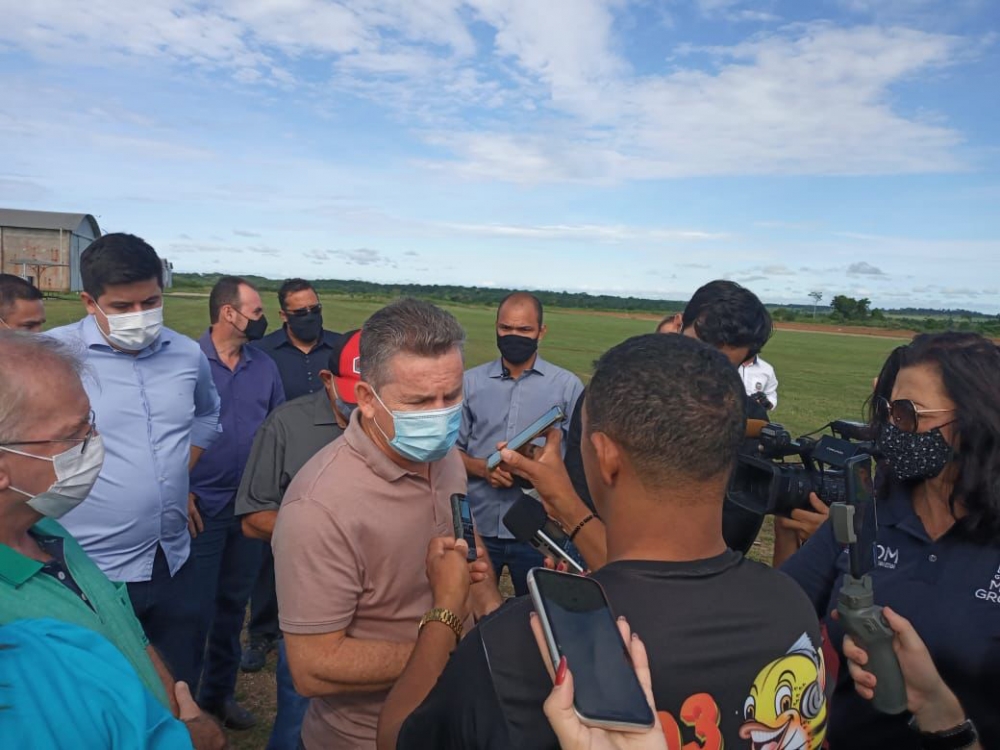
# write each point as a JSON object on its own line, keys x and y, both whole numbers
{"x": 914, "y": 455}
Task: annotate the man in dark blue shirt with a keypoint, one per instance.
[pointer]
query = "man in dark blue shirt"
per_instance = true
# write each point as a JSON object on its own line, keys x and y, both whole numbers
{"x": 301, "y": 348}
{"x": 227, "y": 562}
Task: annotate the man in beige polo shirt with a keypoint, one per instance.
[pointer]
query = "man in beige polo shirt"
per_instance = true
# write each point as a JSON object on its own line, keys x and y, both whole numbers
{"x": 353, "y": 530}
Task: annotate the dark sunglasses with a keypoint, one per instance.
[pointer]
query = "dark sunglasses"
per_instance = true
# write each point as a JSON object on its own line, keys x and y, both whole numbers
{"x": 302, "y": 311}
{"x": 902, "y": 413}
{"x": 85, "y": 439}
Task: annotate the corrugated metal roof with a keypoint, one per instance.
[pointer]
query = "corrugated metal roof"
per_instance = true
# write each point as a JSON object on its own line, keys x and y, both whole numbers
{"x": 12, "y": 217}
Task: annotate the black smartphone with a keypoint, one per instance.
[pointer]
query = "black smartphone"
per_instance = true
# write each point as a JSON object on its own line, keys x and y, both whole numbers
{"x": 579, "y": 625}
{"x": 465, "y": 528}
{"x": 861, "y": 495}
{"x": 552, "y": 417}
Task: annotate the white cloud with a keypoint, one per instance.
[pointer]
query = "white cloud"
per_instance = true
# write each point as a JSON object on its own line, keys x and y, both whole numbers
{"x": 557, "y": 99}
{"x": 595, "y": 232}
{"x": 245, "y": 233}
{"x": 864, "y": 269}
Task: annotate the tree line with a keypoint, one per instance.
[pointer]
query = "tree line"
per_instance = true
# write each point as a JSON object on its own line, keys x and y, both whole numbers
{"x": 841, "y": 309}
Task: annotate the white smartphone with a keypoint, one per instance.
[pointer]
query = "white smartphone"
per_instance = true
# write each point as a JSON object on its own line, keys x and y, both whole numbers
{"x": 579, "y": 625}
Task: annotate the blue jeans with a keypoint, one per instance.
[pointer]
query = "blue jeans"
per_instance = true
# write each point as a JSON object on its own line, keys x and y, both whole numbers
{"x": 517, "y": 556}
{"x": 227, "y": 563}
{"x": 168, "y": 608}
{"x": 263, "y": 625}
{"x": 287, "y": 730}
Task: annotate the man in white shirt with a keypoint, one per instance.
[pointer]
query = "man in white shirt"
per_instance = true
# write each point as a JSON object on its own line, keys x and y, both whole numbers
{"x": 759, "y": 378}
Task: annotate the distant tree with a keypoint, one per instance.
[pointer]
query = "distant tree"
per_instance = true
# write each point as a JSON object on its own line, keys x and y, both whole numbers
{"x": 782, "y": 314}
{"x": 816, "y": 297}
{"x": 848, "y": 308}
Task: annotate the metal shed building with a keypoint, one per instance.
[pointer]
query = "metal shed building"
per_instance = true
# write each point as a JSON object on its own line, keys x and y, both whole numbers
{"x": 44, "y": 246}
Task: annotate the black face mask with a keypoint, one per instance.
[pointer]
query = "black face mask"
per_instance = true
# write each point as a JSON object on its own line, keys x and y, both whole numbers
{"x": 255, "y": 329}
{"x": 913, "y": 456}
{"x": 516, "y": 349}
{"x": 306, "y": 327}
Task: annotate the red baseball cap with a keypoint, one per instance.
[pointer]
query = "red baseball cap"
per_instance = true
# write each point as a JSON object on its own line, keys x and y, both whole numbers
{"x": 345, "y": 365}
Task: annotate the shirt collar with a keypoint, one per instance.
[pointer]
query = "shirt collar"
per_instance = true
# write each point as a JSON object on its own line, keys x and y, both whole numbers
{"x": 208, "y": 346}
{"x": 383, "y": 466}
{"x": 326, "y": 339}
{"x": 496, "y": 368}
{"x": 94, "y": 339}
{"x": 323, "y": 410}
{"x": 897, "y": 511}
{"x": 15, "y": 568}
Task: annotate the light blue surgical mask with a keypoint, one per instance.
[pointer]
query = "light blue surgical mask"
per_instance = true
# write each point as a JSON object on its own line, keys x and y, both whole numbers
{"x": 423, "y": 436}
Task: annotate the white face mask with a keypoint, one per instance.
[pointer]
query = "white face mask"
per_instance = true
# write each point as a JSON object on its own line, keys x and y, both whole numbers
{"x": 76, "y": 472}
{"x": 133, "y": 331}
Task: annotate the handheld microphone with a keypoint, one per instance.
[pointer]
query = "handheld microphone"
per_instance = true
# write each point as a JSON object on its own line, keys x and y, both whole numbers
{"x": 527, "y": 521}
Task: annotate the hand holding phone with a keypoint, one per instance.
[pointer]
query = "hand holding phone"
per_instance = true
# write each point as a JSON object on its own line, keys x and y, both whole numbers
{"x": 577, "y": 623}
{"x": 448, "y": 575}
{"x": 461, "y": 519}
{"x": 552, "y": 417}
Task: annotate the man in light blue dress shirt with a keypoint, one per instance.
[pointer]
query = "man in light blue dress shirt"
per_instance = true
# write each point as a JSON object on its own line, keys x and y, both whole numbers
{"x": 502, "y": 398}
{"x": 157, "y": 408}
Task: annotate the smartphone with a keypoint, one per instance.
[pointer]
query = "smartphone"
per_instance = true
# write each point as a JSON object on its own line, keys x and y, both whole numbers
{"x": 579, "y": 625}
{"x": 552, "y": 417}
{"x": 861, "y": 495}
{"x": 465, "y": 528}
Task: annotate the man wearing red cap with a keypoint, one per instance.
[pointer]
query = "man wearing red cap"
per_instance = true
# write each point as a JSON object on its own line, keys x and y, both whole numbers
{"x": 291, "y": 435}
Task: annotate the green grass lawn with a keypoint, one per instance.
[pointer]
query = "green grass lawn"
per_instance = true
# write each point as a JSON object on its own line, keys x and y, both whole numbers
{"x": 822, "y": 377}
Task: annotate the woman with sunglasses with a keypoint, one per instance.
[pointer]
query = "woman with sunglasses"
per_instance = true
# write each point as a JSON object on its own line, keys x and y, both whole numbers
{"x": 936, "y": 406}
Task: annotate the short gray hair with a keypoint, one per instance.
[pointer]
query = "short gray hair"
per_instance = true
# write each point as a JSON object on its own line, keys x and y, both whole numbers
{"x": 22, "y": 355}
{"x": 406, "y": 326}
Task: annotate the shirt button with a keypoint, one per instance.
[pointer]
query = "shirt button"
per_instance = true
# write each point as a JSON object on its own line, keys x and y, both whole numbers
{"x": 932, "y": 558}
{"x": 163, "y": 479}
{"x": 83, "y": 596}
{"x": 61, "y": 576}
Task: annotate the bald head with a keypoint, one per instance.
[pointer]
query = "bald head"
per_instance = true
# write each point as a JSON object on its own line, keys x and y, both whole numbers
{"x": 39, "y": 380}
{"x": 521, "y": 299}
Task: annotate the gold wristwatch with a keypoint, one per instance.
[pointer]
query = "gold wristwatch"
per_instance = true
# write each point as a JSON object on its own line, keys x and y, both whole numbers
{"x": 449, "y": 618}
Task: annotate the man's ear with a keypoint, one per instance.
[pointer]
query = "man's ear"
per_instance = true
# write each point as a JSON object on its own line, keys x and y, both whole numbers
{"x": 367, "y": 402}
{"x": 674, "y": 325}
{"x": 326, "y": 377}
{"x": 542, "y": 330}
{"x": 609, "y": 457}
{"x": 283, "y": 315}
{"x": 89, "y": 303}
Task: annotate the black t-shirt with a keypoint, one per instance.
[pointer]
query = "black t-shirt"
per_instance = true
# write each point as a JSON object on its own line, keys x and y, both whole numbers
{"x": 734, "y": 649}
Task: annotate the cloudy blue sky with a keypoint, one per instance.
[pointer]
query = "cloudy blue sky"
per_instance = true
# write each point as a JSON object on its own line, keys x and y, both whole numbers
{"x": 639, "y": 147}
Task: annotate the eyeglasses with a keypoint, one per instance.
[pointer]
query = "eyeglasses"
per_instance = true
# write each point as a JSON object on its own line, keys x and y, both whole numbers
{"x": 302, "y": 311}
{"x": 902, "y": 413}
{"x": 85, "y": 439}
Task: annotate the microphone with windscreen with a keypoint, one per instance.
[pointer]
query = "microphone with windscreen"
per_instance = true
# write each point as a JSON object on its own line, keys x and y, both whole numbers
{"x": 528, "y": 522}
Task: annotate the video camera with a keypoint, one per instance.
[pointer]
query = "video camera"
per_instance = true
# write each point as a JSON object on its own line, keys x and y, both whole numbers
{"x": 765, "y": 482}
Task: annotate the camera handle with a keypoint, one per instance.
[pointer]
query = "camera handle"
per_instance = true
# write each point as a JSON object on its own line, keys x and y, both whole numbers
{"x": 863, "y": 620}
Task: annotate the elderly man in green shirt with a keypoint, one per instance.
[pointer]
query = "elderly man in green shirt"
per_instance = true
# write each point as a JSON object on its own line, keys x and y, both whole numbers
{"x": 50, "y": 457}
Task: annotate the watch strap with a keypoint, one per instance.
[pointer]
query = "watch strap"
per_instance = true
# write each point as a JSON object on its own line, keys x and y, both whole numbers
{"x": 446, "y": 616}
{"x": 958, "y": 737}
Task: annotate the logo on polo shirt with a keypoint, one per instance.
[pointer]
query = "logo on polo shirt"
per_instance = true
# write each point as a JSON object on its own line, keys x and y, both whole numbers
{"x": 886, "y": 557}
{"x": 991, "y": 594}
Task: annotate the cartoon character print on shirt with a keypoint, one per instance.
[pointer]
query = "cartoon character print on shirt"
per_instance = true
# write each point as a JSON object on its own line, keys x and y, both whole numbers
{"x": 786, "y": 706}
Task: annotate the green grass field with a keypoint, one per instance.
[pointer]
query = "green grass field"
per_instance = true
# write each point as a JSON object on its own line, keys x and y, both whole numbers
{"x": 822, "y": 376}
